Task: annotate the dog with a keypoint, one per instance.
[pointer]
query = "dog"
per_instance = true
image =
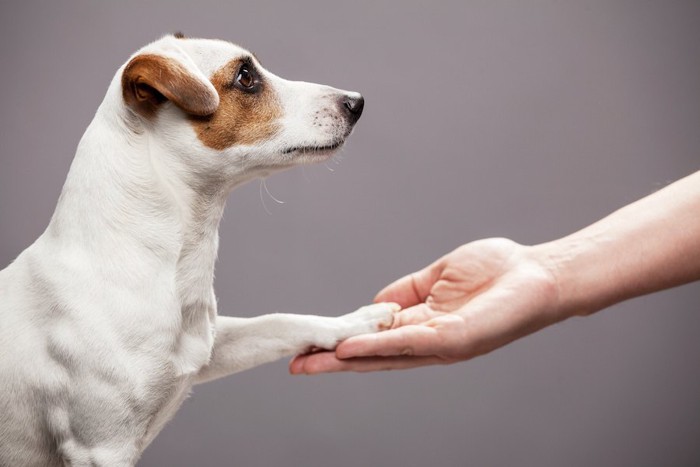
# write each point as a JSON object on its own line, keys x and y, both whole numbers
{"x": 110, "y": 317}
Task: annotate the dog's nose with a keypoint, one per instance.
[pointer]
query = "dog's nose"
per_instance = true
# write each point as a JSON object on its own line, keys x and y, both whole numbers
{"x": 353, "y": 105}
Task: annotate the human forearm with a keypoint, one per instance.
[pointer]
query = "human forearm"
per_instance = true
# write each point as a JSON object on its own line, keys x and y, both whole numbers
{"x": 646, "y": 246}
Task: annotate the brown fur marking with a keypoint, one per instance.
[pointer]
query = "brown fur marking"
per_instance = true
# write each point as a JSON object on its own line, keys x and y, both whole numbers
{"x": 149, "y": 80}
{"x": 241, "y": 118}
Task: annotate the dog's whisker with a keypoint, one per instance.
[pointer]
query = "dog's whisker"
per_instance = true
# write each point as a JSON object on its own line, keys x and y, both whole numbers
{"x": 264, "y": 183}
{"x": 262, "y": 199}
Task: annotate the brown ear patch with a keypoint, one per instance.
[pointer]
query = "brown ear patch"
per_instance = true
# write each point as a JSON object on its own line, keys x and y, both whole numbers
{"x": 241, "y": 118}
{"x": 149, "y": 80}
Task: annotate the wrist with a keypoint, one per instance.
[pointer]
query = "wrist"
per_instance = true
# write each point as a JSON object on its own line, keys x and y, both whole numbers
{"x": 583, "y": 284}
{"x": 650, "y": 245}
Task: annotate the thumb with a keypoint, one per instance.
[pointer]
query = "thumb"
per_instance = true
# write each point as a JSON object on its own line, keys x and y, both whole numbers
{"x": 412, "y": 289}
{"x": 405, "y": 341}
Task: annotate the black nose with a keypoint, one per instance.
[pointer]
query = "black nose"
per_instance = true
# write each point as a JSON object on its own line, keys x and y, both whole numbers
{"x": 353, "y": 106}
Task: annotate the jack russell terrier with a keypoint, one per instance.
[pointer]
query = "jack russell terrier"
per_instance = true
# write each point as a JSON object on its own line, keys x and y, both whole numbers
{"x": 109, "y": 318}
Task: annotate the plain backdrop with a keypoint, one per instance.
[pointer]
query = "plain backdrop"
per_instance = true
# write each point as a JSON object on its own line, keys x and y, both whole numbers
{"x": 523, "y": 119}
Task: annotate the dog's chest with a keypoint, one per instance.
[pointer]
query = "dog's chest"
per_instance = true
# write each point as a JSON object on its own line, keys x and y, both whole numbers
{"x": 197, "y": 304}
{"x": 195, "y": 298}
{"x": 191, "y": 351}
{"x": 195, "y": 340}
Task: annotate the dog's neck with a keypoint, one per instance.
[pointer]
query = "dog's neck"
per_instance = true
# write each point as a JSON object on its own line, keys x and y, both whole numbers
{"x": 120, "y": 193}
{"x": 136, "y": 219}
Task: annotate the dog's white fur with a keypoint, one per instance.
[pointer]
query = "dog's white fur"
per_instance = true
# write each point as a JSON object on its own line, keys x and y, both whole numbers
{"x": 110, "y": 317}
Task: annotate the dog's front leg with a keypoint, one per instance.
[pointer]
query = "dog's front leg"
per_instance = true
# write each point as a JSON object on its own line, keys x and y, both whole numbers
{"x": 243, "y": 343}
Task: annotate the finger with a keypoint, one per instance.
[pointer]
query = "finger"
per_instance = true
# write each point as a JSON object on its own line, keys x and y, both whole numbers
{"x": 296, "y": 364}
{"x": 319, "y": 362}
{"x": 411, "y": 289}
{"x": 414, "y": 315}
{"x": 367, "y": 364}
{"x": 404, "y": 341}
{"x": 326, "y": 362}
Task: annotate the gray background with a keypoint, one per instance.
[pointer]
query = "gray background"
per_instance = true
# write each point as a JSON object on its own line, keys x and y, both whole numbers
{"x": 520, "y": 119}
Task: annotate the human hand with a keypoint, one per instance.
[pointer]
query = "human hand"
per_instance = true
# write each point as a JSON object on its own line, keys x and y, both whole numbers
{"x": 475, "y": 299}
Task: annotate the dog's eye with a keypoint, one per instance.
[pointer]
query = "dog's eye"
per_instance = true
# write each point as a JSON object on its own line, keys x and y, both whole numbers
{"x": 245, "y": 78}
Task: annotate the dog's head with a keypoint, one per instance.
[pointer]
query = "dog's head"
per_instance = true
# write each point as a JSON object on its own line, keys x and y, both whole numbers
{"x": 212, "y": 104}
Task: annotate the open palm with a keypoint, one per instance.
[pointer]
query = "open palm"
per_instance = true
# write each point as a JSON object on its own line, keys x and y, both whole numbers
{"x": 475, "y": 299}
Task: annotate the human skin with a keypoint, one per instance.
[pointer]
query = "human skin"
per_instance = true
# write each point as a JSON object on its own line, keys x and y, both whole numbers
{"x": 488, "y": 293}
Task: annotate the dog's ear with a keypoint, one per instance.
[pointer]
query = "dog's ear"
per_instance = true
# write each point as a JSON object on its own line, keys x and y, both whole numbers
{"x": 149, "y": 80}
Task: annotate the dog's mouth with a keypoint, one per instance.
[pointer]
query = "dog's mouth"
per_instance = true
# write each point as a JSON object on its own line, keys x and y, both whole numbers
{"x": 314, "y": 149}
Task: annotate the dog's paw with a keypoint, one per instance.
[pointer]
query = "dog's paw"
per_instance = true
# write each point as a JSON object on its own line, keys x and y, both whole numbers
{"x": 372, "y": 318}
{"x": 366, "y": 320}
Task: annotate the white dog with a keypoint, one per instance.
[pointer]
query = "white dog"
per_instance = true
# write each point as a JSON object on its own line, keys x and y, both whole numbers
{"x": 109, "y": 318}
